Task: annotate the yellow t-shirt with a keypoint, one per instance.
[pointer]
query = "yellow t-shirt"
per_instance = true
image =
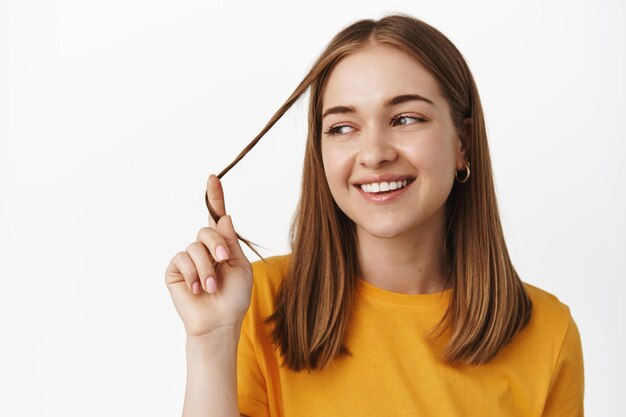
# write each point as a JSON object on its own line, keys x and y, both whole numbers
{"x": 394, "y": 372}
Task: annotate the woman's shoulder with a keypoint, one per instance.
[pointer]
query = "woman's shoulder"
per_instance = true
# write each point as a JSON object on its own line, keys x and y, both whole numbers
{"x": 556, "y": 337}
{"x": 270, "y": 271}
{"x": 546, "y": 303}
{"x": 550, "y": 315}
{"x": 267, "y": 276}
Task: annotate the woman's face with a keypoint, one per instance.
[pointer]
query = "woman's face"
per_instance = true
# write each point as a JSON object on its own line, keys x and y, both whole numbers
{"x": 387, "y": 126}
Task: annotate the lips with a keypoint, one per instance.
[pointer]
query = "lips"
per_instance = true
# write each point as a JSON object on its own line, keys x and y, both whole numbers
{"x": 384, "y": 197}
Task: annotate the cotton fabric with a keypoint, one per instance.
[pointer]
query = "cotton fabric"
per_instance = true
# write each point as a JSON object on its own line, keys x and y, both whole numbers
{"x": 394, "y": 371}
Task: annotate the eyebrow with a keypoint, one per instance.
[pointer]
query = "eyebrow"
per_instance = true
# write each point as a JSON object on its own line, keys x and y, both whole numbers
{"x": 394, "y": 101}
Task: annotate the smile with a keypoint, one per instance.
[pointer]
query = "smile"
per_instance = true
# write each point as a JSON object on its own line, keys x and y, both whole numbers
{"x": 382, "y": 192}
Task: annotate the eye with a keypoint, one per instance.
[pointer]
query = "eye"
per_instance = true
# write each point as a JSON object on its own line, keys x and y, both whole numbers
{"x": 402, "y": 120}
{"x": 337, "y": 130}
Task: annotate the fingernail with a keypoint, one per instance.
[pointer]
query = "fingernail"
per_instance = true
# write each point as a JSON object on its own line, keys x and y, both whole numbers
{"x": 221, "y": 253}
{"x": 211, "y": 285}
{"x": 195, "y": 287}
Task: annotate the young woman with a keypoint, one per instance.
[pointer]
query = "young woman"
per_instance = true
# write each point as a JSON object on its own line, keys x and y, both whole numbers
{"x": 398, "y": 297}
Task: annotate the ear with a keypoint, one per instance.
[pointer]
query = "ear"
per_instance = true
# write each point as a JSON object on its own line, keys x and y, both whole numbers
{"x": 463, "y": 144}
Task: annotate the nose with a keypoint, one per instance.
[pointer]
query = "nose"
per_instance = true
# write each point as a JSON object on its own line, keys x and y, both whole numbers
{"x": 376, "y": 148}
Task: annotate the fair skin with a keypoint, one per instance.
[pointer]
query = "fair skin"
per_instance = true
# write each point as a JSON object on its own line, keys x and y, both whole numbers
{"x": 400, "y": 241}
{"x": 211, "y": 289}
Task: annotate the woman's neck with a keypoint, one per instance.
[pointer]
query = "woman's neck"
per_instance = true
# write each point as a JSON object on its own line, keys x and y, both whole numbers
{"x": 413, "y": 263}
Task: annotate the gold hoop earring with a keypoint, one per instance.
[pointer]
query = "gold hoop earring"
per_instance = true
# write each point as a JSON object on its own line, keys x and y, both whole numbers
{"x": 467, "y": 169}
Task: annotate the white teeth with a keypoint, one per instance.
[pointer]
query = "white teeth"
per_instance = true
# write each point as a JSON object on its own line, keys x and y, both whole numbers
{"x": 378, "y": 187}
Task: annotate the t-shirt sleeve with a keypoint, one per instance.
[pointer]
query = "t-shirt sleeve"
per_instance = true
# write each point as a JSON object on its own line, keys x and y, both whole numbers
{"x": 566, "y": 394}
{"x": 251, "y": 386}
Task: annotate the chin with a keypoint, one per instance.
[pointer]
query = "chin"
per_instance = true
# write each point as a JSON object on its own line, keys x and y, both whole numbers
{"x": 384, "y": 231}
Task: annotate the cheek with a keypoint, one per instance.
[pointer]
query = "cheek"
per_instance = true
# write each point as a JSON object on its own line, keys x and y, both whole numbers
{"x": 336, "y": 166}
{"x": 430, "y": 157}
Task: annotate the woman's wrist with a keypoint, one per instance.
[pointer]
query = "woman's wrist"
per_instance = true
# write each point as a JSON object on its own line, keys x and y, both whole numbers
{"x": 220, "y": 337}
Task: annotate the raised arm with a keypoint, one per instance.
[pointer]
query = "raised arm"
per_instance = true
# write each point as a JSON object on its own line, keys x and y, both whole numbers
{"x": 210, "y": 284}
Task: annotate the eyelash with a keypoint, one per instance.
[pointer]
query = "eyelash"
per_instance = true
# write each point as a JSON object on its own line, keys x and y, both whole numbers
{"x": 333, "y": 131}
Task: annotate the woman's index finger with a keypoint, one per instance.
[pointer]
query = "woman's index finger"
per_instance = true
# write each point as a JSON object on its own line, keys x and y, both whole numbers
{"x": 215, "y": 194}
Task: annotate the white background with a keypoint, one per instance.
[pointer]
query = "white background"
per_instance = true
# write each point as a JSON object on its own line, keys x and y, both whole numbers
{"x": 113, "y": 113}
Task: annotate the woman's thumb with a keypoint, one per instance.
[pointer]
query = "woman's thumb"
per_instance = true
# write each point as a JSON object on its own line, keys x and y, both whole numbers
{"x": 225, "y": 228}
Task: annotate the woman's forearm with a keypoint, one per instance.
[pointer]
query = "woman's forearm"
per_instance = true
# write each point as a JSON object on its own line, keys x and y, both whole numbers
{"x": 212, "y": 374}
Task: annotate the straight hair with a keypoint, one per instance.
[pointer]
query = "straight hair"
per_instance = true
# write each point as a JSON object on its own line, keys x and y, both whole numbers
{"x": 488, "y": 304}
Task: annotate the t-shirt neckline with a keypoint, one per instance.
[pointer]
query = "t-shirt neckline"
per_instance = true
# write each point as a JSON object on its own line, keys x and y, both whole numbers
{"x": 436, "y": 299}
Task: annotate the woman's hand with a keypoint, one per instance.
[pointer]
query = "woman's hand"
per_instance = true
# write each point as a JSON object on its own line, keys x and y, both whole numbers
{"x": 211, "y": 281}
